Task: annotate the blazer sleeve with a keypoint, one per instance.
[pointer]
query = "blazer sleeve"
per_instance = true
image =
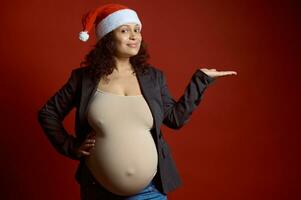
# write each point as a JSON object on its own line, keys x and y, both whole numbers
{"x": 52, "y": 114}
{"x": 177, "y": 113}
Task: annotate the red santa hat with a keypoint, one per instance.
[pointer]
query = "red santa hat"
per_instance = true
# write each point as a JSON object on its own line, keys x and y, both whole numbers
{"x": 107, "y": 18}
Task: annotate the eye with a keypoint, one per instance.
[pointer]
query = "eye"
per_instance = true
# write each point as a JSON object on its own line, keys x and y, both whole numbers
{"x": 137, "y": 30}
{"x": 124, "y": 30}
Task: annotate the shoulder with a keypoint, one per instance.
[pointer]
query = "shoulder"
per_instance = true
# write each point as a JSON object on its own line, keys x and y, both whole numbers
{"x": 156, "y": 72}
{"x": 79, "y": 70}
{"x": 155, "y": 69}
{"x": 77, "y": 73}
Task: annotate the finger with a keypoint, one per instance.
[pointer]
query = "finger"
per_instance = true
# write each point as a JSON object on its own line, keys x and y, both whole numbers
{"x": 225, "y": 73}
{"x": 86, "y": 153}
{"x": 89, "y": 141}
{"x": 232, "y": 73}
{"x": 86, "y": 146}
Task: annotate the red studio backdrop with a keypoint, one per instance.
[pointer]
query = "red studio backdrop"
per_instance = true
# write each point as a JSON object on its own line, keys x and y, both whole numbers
{"x": 242, "y": 142}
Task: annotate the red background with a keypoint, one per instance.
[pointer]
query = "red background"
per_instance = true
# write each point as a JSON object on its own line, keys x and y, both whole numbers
{"x": 243, "y": 141}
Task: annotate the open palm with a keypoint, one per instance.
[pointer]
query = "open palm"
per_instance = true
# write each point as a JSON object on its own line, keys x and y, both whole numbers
{"x": 213, "y": 73}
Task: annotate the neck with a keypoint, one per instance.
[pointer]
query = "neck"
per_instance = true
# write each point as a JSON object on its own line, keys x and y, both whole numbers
{"x": 123, "y": 64}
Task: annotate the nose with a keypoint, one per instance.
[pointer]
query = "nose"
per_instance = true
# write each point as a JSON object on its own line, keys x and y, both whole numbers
{"x": 133, "y": 35}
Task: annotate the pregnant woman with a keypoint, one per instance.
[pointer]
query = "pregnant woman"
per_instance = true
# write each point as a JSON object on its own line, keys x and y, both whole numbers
{"x": 121, "y": 101}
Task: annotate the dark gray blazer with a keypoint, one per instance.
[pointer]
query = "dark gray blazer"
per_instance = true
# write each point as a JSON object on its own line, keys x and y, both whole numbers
{"x": 79, "y": 89}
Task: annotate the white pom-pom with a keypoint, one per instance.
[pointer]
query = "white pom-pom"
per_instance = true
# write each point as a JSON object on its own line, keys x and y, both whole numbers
{"x": 83, "y": 36}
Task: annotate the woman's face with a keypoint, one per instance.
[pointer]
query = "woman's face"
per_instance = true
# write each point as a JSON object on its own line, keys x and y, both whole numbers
{"x": 128, "y": 40}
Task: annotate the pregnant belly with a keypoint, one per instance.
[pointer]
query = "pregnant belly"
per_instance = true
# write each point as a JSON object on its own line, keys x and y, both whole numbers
{"x": 124, "y": 164}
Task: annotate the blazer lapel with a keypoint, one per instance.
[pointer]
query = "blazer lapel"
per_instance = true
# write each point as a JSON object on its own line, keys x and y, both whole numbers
{"x": 88, "y": 89}
{"x": 147, "y": 86}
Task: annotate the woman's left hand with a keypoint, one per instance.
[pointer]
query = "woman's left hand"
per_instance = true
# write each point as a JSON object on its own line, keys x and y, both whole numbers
{"x": 213, "y": 73}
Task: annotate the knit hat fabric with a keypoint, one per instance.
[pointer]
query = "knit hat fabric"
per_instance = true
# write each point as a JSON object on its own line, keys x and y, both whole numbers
{"x": 106, "y": 18}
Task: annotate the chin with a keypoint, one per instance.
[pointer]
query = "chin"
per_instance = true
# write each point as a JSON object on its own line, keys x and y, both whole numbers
{"x": 131, "y": 54}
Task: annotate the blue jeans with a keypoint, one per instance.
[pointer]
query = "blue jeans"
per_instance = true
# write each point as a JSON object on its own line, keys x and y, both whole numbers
{"x": 149, "y": 192}
{"x": 96, "y": 192}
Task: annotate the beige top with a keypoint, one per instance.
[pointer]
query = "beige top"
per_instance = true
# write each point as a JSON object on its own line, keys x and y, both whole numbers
{"x": 125, "y": 158}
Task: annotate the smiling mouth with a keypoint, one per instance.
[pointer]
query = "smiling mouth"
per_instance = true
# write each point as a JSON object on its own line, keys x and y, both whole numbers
{"x": 132, "y": 45}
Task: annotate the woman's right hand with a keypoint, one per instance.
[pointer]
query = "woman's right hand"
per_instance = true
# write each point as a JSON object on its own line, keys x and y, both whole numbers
{"x": 88, "y": 145}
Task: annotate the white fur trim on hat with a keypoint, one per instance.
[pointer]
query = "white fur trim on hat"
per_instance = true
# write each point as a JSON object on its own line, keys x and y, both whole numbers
{"x": 115, "y": 20}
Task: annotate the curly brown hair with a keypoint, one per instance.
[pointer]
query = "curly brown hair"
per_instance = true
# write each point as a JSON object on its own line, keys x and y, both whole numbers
{"x": 100, "y": 60}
